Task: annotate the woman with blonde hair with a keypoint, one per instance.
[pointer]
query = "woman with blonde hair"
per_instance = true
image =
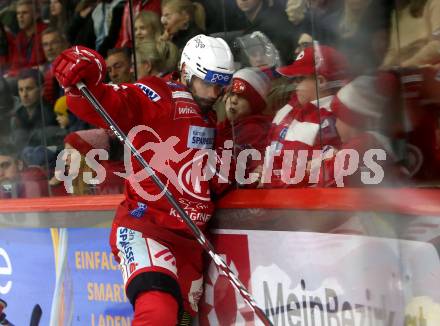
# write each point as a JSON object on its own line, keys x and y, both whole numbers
{"x": 182, "y": 19}
{"x": 156, "y": 58}
{"x": 147, "y": 26}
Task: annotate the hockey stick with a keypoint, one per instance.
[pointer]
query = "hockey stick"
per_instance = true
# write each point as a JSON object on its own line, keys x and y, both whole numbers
{"x": 198, "y": 234}
{"x": 3, "y": 320}
{"x": 36, "y": 315}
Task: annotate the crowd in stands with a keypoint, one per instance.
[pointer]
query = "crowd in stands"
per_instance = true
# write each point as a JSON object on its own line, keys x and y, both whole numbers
{"x": 328, "y": 75}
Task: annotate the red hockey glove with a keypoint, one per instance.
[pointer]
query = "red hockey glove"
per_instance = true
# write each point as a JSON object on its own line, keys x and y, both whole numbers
{"x": 79, "y": 64}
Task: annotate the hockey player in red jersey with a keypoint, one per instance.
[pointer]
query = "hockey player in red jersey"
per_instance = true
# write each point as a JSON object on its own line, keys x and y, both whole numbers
{"x": 306, "y": 123}
{"x": 168, "y": 122}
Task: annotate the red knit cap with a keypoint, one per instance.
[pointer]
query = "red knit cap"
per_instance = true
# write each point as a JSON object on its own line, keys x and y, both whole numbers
{"x": 85, "y": 140}
{"x": 253, "y": 85}
{"x": 359, "y": 103}
{"x": 321, "y": 60}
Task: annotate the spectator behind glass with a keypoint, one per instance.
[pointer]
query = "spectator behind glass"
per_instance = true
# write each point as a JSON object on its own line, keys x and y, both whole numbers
{"x": 8, "y": 103}
{"x": 83, "y": 142}
{"x": 216, "y": 13}
{"x": 7, "y": 49}
{"x": 359, "y": 29}
{"x": 414, "y": 39}
{"x": 304, "y": 41}
{"x": 107, "y": 20}
{"x": 182, "y": 19}
{"x": 61, "y": 112}
{"x": 18, "y": 181}
{"x": 274, "y": 24}
{"x": 306, "y": 123}
{"x": 8, "y": 16}
{"x": 256, "y": 50}
{"x": 29, "y": 51}
{"x": 124, "y": 39}
{"x": 359, "y": 108}
{"x": 96, "y": 24}
{"x": 296, "y": 11}
{"x": 66, "y": 120}
{"x": 32, "y": 116}
{"x": 245, "y": 125}
{"x": 147, "y": 26}
{"x": 299, "y": 14}
{"x": 156, "y": 58}
{"x": 54, "y": 42}
{"x": 60, "y": 15}
{"x": 80, "y": 30}
{"x": 119, "y": 66}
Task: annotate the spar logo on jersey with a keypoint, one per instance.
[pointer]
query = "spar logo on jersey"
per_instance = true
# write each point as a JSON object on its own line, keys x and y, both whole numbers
{"x": 200, "y": 137}
{"x": 152, "y": 95}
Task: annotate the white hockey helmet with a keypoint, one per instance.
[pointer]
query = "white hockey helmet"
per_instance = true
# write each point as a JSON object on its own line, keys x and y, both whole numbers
{"x": 208, "y": 58}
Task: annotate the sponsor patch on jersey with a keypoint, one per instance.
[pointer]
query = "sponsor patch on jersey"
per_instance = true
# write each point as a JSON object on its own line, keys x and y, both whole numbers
{"x": 174, "y": 85}
{"x": 139, "y": 211}
{"x": 152, "y": 95}
{"x": 185, "y": 110}
{"x": 200, "y": 137}
{"x": 182, "y": 94}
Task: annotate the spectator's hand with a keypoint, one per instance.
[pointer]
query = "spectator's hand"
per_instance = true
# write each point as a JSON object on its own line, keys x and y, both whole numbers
{"x": 165, "y": 36}
{"x": 83, "y": 13}
{"x": 295, "y": 11}
{"x": 79, "y": 64}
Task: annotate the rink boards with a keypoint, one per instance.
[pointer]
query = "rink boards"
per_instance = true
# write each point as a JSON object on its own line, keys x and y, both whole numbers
{"x": 325, "y": 266}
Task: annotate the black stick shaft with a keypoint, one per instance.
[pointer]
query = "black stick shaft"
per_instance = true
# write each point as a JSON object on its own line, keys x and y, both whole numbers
{"x": 133, "y": 42}
{"x": 36, "y": 315}
{"x": 207, "y": 246}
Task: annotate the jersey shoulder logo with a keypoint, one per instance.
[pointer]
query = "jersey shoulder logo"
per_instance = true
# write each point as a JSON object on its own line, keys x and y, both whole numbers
{"x": 151, "y": 94}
